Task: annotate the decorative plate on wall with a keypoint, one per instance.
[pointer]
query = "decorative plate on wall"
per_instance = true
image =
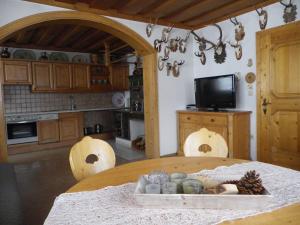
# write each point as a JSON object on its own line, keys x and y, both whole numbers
{"x": 118, "y": 99}
{"x": 250, "y": 77}
{"x": 79, "y": 59}
{"x": 59, "y": 56}
{"x": 24, "y": 54}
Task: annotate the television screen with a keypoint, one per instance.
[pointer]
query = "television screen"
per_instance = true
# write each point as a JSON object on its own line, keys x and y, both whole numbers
{"x": 215, "y": 92}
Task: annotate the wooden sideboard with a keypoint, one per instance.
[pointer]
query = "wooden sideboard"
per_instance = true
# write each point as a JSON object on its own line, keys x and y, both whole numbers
{"x": 234, "y": 126}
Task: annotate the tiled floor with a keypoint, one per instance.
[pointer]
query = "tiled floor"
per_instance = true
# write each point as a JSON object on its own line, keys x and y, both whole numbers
{"x": 44, "y": 175}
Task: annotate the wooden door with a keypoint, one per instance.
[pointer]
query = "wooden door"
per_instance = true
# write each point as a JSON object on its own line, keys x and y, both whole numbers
{"x": 81, "y": 77}
{"x": 62, "y": 74}
{"x": 70, "y": 126}
{"x": 119, "y": 77}
{"x": 16, "y": 72}
{"x": 278, "y": 67}
{"x": 42, "y": 76}
{"x": 48, "y": 131}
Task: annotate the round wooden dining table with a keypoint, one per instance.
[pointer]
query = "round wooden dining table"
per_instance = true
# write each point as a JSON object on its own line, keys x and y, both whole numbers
{"x": 130, "y": 173}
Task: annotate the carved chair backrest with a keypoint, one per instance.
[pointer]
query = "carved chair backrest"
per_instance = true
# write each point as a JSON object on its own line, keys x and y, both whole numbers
{"x": 205, "y": 143}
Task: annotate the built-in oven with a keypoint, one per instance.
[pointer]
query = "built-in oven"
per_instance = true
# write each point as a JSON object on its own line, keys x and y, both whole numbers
{"x": 23, "y": 128}
{"x": 21, "y": 132}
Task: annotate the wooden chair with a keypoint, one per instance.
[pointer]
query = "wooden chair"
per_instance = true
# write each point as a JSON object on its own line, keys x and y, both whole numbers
{"x": 90, "y": 156}
{"x": 205, "y": 143}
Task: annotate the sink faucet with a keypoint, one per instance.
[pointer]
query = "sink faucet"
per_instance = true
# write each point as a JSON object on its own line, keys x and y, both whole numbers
{"x": 72, "y": 102}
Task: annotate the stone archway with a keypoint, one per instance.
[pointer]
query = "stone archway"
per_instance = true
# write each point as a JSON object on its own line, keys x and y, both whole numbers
{"x": 117, "y": 29}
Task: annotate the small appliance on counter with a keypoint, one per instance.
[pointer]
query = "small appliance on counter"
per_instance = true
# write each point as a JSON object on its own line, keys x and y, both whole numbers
{"x": 98, "y": 128}
{"x": 88, "y": 130}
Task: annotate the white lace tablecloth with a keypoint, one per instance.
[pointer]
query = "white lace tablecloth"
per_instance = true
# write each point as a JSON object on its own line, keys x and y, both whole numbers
{"x": 116, "y": 205}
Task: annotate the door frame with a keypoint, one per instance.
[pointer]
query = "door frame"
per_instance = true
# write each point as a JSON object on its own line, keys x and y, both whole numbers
{"x": 263, "y": 42}
{"x": 143, "y": 48}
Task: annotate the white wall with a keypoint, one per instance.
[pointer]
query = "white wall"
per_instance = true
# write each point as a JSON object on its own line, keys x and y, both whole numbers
{"x": 174, "y": 93}
{"x": 231, "y": 65}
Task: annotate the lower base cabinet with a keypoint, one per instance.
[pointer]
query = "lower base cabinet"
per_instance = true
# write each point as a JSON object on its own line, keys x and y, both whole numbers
{"x": 48, "y": 131}
{"x": 70, "y": 126}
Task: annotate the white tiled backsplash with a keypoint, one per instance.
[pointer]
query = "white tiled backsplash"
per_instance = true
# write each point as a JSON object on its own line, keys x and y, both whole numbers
{"x": 20, "y": 99}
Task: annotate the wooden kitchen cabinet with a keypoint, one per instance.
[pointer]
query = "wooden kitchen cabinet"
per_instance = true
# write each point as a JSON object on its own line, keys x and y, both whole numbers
{"x": 70, "y": 126}
{"x": 81, "y": 77}
{"x": 48, "y": 131}
{"x": 119, "y": 77}
{"x": 42, "y": 77}
{"x": 16, "y": 72}
{"x": 62, "y": 76}
{"x": 233, "y": 126}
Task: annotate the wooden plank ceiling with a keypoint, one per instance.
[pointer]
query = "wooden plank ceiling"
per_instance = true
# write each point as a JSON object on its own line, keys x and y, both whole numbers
{"x": 188, "y": 14}
{"x": 68, "y": 37}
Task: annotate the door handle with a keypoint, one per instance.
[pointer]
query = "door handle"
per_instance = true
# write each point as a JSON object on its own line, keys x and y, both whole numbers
{"x": 264, "y": 105}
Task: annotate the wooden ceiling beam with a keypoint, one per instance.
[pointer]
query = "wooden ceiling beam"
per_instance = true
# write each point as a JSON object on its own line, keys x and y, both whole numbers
{"x": 167, "y": 4}
{"x": 103, "y": 4}
{"x": 100, "y": 43}
{"x": 154, "y": 6}
{"x": 94, "y": 40}
{"x": 120, "y": 4}
{"x": 135, "y": 6}
{"x": 63, "y": 38}
{"x": 21, "y": 35}
{"x": 119, "y": 48}
{"x": 203, "y": 20}
{"x": 185, "y": 11}
{"x": 165, "y": 10}
{"x": 113, "y": 13}
{"x": 46, "y": 35}
{"x": 85, "y": 40}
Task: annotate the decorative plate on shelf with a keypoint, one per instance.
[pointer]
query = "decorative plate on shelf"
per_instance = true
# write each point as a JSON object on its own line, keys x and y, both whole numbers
{"x": 59, "y": 56}
{"x": 118, "y": 99}
{"x": 24, "y": 54}
{"x": 79, "y": 59}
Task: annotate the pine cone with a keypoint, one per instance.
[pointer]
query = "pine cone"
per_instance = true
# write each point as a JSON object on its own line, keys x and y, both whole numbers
{"x": 250, "y": 184}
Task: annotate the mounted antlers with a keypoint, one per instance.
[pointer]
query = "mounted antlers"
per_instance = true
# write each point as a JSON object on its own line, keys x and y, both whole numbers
{"x": 219, "y": 47}
{"x": 239, "y": 29}
{"x": 173, "y": 45}
{"x": 237, "y": 49}
{"x": 166, "y": 34}
{"x": 202, "y": 57}
{"x": 149, "y": 27}
{"x": 157, "y": 44}
{"x": 263, "y": 18}
{"x": 289, "y": 12}
{"x": 182, "y": 43}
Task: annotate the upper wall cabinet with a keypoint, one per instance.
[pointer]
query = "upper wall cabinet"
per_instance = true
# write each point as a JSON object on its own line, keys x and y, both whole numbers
{"x": 81, "y": 76}
{"x": 62, "y": 74}
{"x": 46, "y": 76}
{"x": 16, "y": 72}
{"x": 42, "y": 77}
{"x": 119, "y": 77}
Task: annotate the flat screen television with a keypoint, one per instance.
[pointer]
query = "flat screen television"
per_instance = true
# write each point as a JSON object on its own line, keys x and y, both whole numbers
{"x": 217, "y": 92}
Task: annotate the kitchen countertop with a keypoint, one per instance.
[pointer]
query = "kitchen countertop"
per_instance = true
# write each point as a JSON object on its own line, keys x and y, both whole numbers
{"x": 65, "y": 111}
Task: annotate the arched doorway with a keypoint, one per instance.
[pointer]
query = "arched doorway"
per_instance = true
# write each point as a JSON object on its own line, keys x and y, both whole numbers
{"x": 142, "y": 47}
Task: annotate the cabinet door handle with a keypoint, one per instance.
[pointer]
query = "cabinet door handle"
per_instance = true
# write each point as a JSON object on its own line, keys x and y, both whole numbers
{"x": 188, "y": 118}
{"x": 212, "y": 120}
